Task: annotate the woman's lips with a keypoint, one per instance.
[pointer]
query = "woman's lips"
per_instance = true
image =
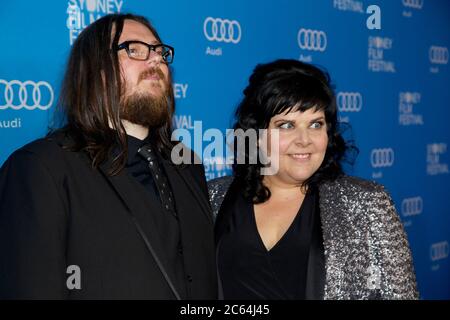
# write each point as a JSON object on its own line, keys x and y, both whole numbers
{"x": 301, "y": 156}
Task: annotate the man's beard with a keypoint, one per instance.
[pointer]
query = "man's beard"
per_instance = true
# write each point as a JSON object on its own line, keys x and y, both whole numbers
{"x": 145, "y": 109}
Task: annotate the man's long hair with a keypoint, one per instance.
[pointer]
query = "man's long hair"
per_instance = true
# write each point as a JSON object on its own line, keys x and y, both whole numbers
{"x": 91, "y": 94}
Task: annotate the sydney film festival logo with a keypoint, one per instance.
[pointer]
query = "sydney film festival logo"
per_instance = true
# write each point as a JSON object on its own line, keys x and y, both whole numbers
{"x": 377, "y": 60}
{"x": 81, "y": 13}
{"x": 435, "y": 164}
{"x": 407, "y": 102}
{"x": 349, "y": 5}
{"x": 180, "y": 92}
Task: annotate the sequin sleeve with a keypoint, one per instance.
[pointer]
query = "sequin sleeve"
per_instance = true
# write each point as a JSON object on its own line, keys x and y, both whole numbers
{"x": 217, "y": 188}
{"x": 399, "y": 281}
{"x": 366, "y": 248}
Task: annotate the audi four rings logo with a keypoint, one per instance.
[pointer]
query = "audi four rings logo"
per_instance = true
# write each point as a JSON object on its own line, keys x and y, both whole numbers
{"x": 416, "y": 4}
{"x": 349, "y": 101}
{"x": 438, "y": 55}
{"x": 439, "y": 250}
{"x": 315, "y": 40}
{"x": 381, "y": 158}
{"x": 412, "y": 206}
{"x": 28, "y": 94}
{"x": 222, "y": 30}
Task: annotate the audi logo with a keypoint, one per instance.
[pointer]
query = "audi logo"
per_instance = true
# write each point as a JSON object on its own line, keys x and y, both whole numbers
{"x": 222, "y": 30}
{"x": 314, "y": 40}
{"x": 439, "y": 251}
{"x": 412, "y": 206}
{"x": 438, "y": 55}
{"x": 29, "y": 94}
{"x": 349, "y": 101}
{"x": 416, "y": 4}
{"x": 380, "y": 158}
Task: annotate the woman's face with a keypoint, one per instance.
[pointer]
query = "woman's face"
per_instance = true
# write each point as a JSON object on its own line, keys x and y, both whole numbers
{"x": 302, "y": 145}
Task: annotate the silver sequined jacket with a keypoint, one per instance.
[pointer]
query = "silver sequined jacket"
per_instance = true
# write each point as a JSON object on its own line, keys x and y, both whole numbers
{"x": 365, "y": 247}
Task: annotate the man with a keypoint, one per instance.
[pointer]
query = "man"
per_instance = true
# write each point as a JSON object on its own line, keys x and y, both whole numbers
{"x": 97, "y": 209}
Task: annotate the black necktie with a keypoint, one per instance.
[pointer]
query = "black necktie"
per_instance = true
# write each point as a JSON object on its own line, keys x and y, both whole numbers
{"x": 160, "y": 179}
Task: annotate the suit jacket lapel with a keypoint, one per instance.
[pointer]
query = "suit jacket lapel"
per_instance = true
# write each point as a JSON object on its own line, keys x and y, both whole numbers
{"x": 196, "y": 227}
{"x": 181, "y": 181}
{"x": 315, "y": 282}
{"x": 139, "y": 209}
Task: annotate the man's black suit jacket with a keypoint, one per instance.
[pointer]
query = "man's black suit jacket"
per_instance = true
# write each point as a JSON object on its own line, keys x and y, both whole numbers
{"x": 56, "y": 211}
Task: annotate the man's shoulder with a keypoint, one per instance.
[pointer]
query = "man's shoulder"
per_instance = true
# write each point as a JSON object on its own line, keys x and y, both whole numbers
{"x": 43, "y": 147}
{"x": 48, "y": 151}
{"x": 46, "y": 148}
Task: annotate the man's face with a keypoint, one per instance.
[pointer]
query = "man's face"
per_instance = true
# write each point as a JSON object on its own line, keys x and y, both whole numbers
{"x": 142, "y": 77}
{"x": 145, "y": 83}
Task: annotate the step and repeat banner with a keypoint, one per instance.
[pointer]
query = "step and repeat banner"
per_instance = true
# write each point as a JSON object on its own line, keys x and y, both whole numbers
{"x": 388, "y": 61}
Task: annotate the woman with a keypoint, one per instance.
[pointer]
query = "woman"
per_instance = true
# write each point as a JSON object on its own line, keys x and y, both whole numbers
{"x": 308, "y": 231}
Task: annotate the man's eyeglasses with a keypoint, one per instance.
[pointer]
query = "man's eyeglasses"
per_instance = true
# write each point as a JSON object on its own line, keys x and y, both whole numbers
{"x": 138, "y": 50}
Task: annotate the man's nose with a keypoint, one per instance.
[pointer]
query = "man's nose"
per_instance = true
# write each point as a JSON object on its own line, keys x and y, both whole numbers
{"x": 154, "y": 58}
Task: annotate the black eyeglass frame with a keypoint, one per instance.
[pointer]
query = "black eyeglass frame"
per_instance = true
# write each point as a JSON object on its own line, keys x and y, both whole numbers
{"x": 151, "y": 47}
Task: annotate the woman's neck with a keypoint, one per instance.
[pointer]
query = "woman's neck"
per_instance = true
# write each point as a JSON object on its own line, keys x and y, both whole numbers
{"x": 282, "y": 190}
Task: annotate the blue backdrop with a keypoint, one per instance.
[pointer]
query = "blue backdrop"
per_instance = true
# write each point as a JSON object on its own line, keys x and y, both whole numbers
{"x": 389, "y": 66}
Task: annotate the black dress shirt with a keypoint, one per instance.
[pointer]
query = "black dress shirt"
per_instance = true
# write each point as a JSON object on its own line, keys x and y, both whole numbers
{"x": 169, "y": 231}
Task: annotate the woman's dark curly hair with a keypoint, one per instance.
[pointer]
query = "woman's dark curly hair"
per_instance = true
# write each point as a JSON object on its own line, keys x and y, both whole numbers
{"x": 279, "y": 87}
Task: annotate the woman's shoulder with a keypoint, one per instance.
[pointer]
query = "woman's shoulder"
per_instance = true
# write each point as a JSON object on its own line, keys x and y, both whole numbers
{"x": 220, "y": 183}
{"x": 352, "y": 185}
{"x": 217, "y": 189}
{"x": 348, "y": 190}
